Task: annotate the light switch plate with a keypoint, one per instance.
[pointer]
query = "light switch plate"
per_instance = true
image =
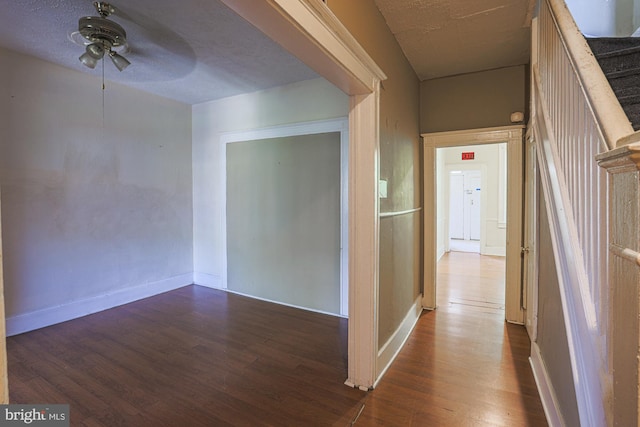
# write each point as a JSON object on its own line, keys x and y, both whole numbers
{"x": 382, "y": 189}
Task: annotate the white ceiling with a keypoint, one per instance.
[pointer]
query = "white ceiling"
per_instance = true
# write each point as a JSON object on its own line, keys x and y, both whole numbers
{"x": 188, "y": 50}
{"x": 199, "y": 50}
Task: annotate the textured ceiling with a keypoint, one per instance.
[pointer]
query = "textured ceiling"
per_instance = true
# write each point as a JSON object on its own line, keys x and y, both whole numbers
{"x": 449, "y": 37}
{"x": 199, "y": 50}
{"x": 188, "y": 50}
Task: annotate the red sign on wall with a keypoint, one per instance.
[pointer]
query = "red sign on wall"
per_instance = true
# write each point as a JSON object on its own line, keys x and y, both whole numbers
{"x": 468, "y": 156}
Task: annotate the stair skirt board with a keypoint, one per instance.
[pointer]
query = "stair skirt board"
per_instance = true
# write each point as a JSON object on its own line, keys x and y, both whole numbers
{"x": 49, "y": 316}
{"x": 545, "y": 388}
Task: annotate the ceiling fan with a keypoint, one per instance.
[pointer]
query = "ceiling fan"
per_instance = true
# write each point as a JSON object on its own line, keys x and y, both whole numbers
{"x": 101, "y": 36}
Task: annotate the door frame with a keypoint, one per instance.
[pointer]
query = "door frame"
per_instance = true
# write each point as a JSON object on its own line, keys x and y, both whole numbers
{"x": 4, "y": 382}
{"x": 313, "y": 34}
{"x": 513, "y": 137}
{"x": 530, "y": 251}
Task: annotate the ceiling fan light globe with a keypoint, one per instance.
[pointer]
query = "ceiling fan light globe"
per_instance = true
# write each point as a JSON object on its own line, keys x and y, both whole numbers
{"x": 88, "y": 60}
{"x": 95, "y": 50}
{"x": 119, "y": 61}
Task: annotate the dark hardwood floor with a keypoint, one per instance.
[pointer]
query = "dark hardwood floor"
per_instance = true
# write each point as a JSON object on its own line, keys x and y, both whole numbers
{"x": 191, "y": 357}
{"x": 201, "y": 357}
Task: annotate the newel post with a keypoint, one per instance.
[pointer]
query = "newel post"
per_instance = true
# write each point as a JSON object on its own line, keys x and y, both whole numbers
{"x": 623, "y": 166}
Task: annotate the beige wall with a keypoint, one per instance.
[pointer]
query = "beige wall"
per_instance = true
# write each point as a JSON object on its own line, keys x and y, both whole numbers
{"x": 399, "y": 161}
{"x": 472, "y": 101}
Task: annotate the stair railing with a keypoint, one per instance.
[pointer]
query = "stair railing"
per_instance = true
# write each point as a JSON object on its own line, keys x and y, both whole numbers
{"x": 578, "y": 134}
{"x": 567, "y": 45}
{"x": 576, "y": 117}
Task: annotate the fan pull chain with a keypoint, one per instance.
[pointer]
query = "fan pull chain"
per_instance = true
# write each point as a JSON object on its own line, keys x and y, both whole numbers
{"x": 102, "y": 95}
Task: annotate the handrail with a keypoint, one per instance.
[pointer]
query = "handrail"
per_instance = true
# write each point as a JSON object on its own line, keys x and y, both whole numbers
{"x": 612, "y": 119}
{"x": 629, "y": 139}
{"x": 625, "y": 253}
{"x": 391, "y": 214}
{"x": 578, "y": 138}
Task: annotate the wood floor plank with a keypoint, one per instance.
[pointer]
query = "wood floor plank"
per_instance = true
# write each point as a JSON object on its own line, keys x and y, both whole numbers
{"x": 462, "y": 365}
{"x": 201, "y": 357}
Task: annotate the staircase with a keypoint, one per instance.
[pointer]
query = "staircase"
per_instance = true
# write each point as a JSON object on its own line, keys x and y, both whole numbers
{"x": 620, "y": 62}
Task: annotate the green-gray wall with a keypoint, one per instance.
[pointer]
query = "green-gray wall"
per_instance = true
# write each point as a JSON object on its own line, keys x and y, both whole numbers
{"x": 399, "y": 162}
{"x": 283, "y": 220}
{"x": 279, "y": 106}
{"x": 472, "y": 101}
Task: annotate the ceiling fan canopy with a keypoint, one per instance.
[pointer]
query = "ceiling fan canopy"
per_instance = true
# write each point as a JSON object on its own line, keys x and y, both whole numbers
{"x": 101, "y": 36}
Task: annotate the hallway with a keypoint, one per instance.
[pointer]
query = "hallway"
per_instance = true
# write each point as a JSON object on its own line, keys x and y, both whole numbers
{"x": 471, "y": 283}
{"x": 462, "y": 365}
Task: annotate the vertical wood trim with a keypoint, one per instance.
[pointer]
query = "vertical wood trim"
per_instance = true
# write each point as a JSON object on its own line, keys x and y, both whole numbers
{"x": 502, "y": 187}
{"x": 4, "y": 383}
{"x": 344, "y": 222}
{"x": 531, "y": 240}
{"x": 513, "y": 294}
{"x": 430, "y": 226}
{"x": 363, "y": 239}
{"x": 531, "y": 258}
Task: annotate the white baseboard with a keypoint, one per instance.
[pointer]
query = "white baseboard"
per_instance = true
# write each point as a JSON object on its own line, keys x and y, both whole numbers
{"x": 207, "y": 280}
{"x": 328, "y": 313}
{"x": 389, "y": 351}
{"x": 545, "y": 388}
{"x": 51, "y": 315}
{"x": 494, "y": 250}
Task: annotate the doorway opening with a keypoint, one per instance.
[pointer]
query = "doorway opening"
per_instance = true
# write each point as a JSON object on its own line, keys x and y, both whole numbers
{"x": 499, "y": 210}
{"x": 471, "y": 256}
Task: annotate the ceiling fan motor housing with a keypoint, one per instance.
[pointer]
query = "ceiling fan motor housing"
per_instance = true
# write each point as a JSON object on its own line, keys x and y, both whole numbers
{"x": 97, "y": 29}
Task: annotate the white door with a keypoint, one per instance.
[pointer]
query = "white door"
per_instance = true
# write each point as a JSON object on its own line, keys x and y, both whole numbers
{"x": 456, "y": 205}
{"x": 464, "y": 204}
{"x": 473, "y": 188}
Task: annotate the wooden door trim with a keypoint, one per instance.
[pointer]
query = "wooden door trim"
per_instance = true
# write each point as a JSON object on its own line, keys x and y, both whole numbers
{"x": 512, "y": 135}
